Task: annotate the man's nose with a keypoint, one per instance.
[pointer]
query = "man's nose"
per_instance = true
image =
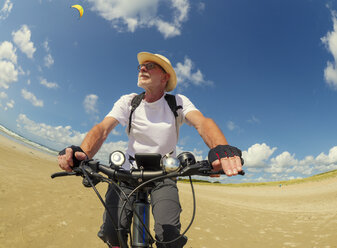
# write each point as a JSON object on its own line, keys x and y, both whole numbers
{"x": 143, "y": 68}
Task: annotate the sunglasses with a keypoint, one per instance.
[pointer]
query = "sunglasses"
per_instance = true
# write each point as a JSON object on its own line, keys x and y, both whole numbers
{"x": 150, "y": 66}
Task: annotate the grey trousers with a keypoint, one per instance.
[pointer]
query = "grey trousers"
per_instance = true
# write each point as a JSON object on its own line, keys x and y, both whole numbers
{"x": 165, "y": 209}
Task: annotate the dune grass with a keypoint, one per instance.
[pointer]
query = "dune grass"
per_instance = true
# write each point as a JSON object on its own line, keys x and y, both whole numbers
{"x": 318, "y": 177}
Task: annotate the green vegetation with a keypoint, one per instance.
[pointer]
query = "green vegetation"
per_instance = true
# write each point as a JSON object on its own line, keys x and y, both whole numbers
{"x": 315, "y": 178}
{"x": 199, "y": 181}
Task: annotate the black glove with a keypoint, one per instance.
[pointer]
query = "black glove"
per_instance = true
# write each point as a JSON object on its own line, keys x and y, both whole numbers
{"x": 75, "y": 149}
{"x": 224, "y": 151}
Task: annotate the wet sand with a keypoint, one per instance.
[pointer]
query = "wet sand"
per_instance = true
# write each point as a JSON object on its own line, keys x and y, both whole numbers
{"x": 37, "y": 211}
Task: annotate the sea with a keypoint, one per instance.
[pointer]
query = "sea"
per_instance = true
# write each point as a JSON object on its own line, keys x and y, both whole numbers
{"x": 22, "y": 140}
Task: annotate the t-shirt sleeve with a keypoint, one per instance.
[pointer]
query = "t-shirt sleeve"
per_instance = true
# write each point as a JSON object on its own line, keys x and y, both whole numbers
{"x": 187, "y": 107}
{"x": 121, "y": 109}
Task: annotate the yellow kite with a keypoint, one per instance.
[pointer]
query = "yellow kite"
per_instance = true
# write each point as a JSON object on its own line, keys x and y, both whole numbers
{"x": 79, "y": 8}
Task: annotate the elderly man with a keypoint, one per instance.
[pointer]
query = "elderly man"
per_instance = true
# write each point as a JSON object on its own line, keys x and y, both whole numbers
{"x": 153, "y": 128}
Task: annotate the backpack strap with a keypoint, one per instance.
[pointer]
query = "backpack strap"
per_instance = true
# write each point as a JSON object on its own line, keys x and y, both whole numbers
{"x": 134, "y": 104}
{"x": 172, "y": 102}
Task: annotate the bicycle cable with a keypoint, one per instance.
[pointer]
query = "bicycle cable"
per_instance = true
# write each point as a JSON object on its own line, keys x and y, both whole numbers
{"x": 127, "y": 200}
{"x": 100, "y": 198}
{"x": 194, "y": 205}
{"x": 192, "y": 219}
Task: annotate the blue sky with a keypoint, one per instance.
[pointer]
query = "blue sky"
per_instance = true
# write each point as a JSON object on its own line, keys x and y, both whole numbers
{"x": 264, "y": 70}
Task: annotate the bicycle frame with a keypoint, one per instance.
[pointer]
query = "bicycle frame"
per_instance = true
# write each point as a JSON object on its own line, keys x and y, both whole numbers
{"x": 140, "y": 237}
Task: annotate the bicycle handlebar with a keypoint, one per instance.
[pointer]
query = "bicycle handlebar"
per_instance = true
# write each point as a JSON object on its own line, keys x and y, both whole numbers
{"x": 93, "y": 167}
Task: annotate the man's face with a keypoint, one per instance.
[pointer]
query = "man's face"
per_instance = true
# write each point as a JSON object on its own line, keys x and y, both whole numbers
{"x": 151, "y": 76}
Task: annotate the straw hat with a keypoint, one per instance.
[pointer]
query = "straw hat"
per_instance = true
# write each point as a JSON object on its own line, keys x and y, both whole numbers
{"x": 163, "y": 62}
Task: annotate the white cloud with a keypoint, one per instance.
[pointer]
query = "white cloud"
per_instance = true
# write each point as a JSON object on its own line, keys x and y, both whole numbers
{"x": 326, "y": 162}
{"x": 90, "y": 105}
{"x": 22, "y": 39}
{"x": 48, "y": 59}
{"x": 253, "y": 120}
{"x": 143, "y": 14}
{"x": 180, "y": 14}
{"x": 167, "y": 29}
{"x": 231, "y": 125}
{"x": 3, "y": 95}
{"x": 201, "y": 6}
{"x": 282, "y": 162}
{"x": 60, "y": 134}
{"x": 328, "y": 159}
{"x": 8, "y": 104}
{"x": 285, "y": 165}
{"x": 257, "y": 155}
{"x": 8, "y": 74}
{"x": 6, "y": 9}
{"x": 181, "y": 10}
{"x": 49, "y": 85}
{"x": 330, "y": 41}
{"x": 21, "y": 71}
{"x": 261, "y": 166}
{"x": 46, "y": 46}
{"x": 8, "y": 52}
{"x": 185, "y": 76}
{"x": 31, "y": 98}
{"x": 63, "y": 136}
{"x": 197, "y": 154}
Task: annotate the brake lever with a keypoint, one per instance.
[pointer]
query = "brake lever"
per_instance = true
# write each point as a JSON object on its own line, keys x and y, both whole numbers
{"x": 203, "y": 168}
{"x": 63, "y": 173}
{"x": 76, "y": 171}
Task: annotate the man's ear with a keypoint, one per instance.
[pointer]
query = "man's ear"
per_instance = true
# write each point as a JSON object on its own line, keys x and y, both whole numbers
{"x": 166, "y": 77}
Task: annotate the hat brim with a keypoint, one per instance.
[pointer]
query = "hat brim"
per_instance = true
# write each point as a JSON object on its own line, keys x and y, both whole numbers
{"x": 145, "y": 56}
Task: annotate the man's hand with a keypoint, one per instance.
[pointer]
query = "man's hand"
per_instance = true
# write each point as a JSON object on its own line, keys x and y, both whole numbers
{"x": 226, "y": 157}
{"x": 66, "y": 158}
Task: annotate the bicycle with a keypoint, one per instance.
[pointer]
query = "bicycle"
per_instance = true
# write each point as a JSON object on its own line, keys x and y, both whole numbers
{"x": 151, "y": 167}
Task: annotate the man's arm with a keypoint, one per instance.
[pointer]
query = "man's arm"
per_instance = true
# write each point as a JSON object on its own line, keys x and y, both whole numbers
{"x": 207, "y": 128}
{"x": 97, "y": 135}
{"x": 212, "y": 136}
{"x": 90, "y": 145}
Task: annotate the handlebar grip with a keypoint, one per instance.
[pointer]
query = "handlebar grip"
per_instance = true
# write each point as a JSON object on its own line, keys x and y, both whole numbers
{"x": 242, "y": 173}
{"x": 62, "y": 174}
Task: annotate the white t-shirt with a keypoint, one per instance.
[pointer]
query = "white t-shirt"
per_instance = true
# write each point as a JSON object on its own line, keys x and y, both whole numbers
{"x": 153, "y": 127}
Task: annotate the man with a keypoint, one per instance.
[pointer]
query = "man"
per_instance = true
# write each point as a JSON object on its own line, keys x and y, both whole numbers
{"x": 154, "y": 129}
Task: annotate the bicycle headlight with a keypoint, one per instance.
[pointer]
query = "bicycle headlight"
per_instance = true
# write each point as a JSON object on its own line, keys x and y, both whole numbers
{"x": 170, "y": 164}
{"x": 117, "y": 158}
{"x": 186, "y": 158}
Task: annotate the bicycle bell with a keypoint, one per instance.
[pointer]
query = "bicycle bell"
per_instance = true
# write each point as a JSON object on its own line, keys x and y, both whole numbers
{"x": 169, "y": 163}
{"x": 117, "y": 158}
{"x": 186, "y": 158}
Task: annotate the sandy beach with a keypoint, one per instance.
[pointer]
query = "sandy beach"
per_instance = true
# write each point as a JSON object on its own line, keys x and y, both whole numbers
{"x": 37, "y": 211}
